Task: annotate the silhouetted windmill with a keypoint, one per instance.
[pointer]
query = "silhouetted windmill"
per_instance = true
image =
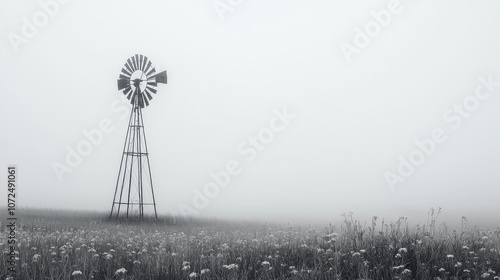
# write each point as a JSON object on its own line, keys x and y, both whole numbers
{"x": 137, "y": 81}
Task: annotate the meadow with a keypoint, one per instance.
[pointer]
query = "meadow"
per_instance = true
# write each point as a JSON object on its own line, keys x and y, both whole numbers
{"x": 74, "y": 245}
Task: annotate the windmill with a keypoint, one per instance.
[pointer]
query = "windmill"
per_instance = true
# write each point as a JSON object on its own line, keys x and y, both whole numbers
{"x": 134, "y": 186}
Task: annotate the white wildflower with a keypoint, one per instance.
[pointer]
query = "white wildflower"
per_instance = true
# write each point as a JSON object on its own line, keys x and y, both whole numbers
{"x": 121, "y": 270}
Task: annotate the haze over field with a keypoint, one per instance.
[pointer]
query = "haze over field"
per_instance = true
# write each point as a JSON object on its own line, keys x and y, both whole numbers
{"x": 383, "y": 108}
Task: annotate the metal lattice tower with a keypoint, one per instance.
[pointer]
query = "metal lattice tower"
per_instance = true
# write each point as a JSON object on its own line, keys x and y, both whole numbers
{"x": 134, "y": 185}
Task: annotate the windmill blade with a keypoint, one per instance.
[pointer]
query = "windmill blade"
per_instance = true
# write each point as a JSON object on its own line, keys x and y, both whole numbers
{"x": 148, "y": 66}
{"x": 123, "y": 83}
{"x": 129, "y": 65}
{"x": 148, "y": 95}
{"x": 128, "y": 92}
{"x": 123, "y": 77}
{"x": 137, "y": 62}
{"x": 161, "y": 77}
{"x": 151, "y": 83}
{"x": 152, "y": 89}
{"x": 151, "y": 72}
{"x": 143, "y": 62}
{"x": 126, "y": 72}
{"x": 145, "y": 100}
{"x": 134, "y": 63}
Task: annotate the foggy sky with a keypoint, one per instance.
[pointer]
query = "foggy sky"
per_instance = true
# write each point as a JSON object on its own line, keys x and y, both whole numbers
{"x": 353, "y": 121}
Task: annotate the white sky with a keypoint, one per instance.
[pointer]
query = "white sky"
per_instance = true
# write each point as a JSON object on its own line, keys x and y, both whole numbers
{"x": 225, "y": 78}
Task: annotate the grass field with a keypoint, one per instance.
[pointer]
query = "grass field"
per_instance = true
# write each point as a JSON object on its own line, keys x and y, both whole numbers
{"x": 72, "y": 245}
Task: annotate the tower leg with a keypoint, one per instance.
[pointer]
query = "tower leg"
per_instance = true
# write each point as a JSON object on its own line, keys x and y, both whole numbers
{"x": 121, "y": 165}
{"x": 149, "y": 168}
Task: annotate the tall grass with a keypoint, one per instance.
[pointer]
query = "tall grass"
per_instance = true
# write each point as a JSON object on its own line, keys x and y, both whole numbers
{"x": 73, "y": 245}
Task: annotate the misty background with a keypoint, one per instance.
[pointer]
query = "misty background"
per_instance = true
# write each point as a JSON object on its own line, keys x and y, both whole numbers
{"x": 227, "y": 75}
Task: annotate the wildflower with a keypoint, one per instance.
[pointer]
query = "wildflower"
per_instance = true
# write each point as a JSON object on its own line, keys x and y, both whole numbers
{"x": 265, "y": 263}
{"x": 485, "y": 275}
{"x": 231, "y": 266}
{"x": 402, "y": 250}
{"x": 76, "y": 272}
{"x": 362, "y": 251}
{"x": 203, "y": 271}
{"x": 406, "y": 271}
{"x": 398, "y": 255}
{"x": 193, "y": 275}
{"x": 466, "y": 271}
{"x": 356, "y": 254}
{"x": 137, "y": 262}
{"x": 121, "y": 270}
{"x": 458, "y": 264}
{"x": 465, "y": 247}
{"x": 450, "y": 256}
{"x": 442, "y": 270}
{"x": 174, "y": 254}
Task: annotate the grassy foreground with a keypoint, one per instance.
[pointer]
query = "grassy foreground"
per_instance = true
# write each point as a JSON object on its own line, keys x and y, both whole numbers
{"x": 71, "y": 245}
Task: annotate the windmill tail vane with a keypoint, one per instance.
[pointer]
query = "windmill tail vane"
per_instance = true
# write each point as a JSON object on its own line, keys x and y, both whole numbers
{"x": 134, "y": 186}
